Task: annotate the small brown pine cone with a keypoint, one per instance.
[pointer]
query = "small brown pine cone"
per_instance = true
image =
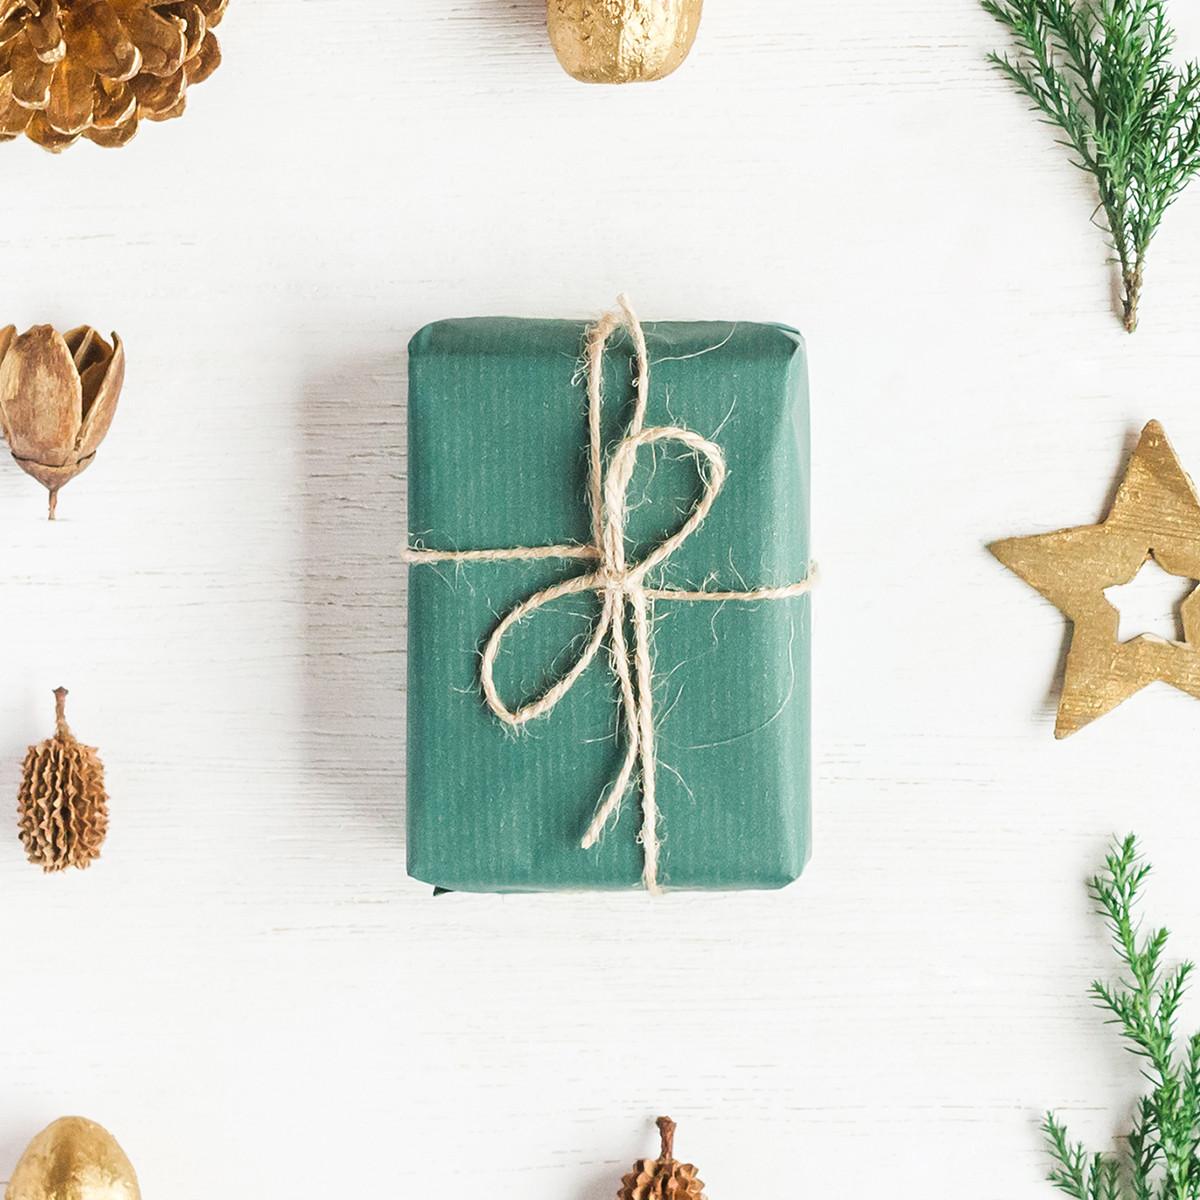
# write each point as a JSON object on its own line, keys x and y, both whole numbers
{"x": 62, "y": 804}
{"x": 663, "y": 1178}
{"x": 95, "y": 68}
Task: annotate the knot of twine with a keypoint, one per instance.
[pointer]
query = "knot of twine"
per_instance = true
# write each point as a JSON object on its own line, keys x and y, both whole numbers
{"x": 618, "y": 583}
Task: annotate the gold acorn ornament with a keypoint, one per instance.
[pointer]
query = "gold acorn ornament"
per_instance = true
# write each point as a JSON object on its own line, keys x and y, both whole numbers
{"x": 663, "y": 1178}
{"x": 95, "y": 68}
{"x": 73, "y": 1159}
{"x": 622, "y": 41}
{"x": 62, "y": 805}
{"x": 58, "y": 394}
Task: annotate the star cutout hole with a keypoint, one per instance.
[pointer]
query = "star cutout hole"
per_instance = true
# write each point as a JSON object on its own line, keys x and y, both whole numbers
{"x": 1149, "y": 604}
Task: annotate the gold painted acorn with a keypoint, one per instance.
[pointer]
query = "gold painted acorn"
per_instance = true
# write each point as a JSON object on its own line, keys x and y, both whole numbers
{"x": 95, "y": 68}
{"x": 622, "y": 41}
{"x": 663, "y": 1178}
{"x": 58, "y": 394}
{"x": 73, "y": 1159}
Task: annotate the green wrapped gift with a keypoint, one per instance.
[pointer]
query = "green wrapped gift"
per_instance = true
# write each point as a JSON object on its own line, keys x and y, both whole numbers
{"x": 609, "y": 626}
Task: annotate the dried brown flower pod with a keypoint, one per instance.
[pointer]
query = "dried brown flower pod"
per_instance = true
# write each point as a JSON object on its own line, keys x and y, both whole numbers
{"x": 62, "y": 803}
{"x": 73, "y": 1159}
{"x": 663, "y": 1178}
{"x": 97, "y": 67}
{"x": 622, "y": 41}
{"x": 58, "y": 394}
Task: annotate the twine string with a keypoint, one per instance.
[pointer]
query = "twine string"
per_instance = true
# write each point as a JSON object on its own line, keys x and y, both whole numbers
{"x": 619, "y": 584}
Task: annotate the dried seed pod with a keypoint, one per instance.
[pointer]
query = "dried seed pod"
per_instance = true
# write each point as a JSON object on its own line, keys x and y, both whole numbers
{"x": 94, "y": 68}
{"x": 622, "y": 41}
{"x": 73, "y": 1159}
{"x": 663, "y": 1178}
{"x": 58, "y": 394}
{"x": 62, "y": 804}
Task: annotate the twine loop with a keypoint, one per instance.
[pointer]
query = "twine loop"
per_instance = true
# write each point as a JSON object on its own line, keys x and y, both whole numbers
{"x": 618, "y": 584}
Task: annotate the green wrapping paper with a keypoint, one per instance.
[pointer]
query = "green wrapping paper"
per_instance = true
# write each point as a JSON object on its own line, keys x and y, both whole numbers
{"x": 498, "y": 446}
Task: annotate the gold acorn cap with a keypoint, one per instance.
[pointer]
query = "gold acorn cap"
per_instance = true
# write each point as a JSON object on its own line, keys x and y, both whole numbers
{"x": 95, "y": 68}
{"x": 73, "y": 1159}
{"x": 664, "y": 1178}
{"x": 62, "y": 805}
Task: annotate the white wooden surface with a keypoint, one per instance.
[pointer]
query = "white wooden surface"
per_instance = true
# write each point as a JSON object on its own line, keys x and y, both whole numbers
{"x": 246, "y": 989}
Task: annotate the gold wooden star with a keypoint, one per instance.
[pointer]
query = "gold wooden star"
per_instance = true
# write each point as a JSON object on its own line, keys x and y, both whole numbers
{"x": 1156, "y": 514}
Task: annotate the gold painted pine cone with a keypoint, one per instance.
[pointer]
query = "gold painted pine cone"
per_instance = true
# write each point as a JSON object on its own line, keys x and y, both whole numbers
{"x": 73, "y": 1159}
{"x": 58, "y": 395}
{"x": 62, "y": 804}
{"x": 95, "y": 68}
{"x": 663, "y": 1178}
{"x": 622, "y": 41}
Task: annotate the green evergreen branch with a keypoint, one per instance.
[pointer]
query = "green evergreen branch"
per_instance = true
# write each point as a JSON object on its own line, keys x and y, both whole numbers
{"x": 1101, "y": 72}
{"x": 1162, "y": 1156}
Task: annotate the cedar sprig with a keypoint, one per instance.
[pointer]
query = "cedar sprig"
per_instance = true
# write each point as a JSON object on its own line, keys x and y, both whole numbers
{"x": 1101, "y": 71}
{"x": 1160, "y": 1161}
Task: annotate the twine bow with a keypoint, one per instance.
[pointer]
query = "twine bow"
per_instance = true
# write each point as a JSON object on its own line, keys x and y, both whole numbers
{"x": 619, "y": 584}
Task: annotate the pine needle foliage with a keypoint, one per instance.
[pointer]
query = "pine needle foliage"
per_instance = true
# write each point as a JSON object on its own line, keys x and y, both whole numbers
{"x": 1160, "y": 1159}
{"x": 1101, "y": 71}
